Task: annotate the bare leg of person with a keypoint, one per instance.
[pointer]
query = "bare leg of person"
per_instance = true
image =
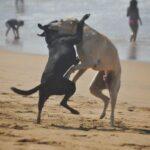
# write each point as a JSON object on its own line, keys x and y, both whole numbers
{"x": 135, "y": 32}
{"x": 14, "y": 31}
{"x": 17, "y": 33}
{"x": 8, "y": 29}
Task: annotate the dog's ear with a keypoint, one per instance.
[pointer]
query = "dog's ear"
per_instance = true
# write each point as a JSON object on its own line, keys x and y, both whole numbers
{"x": 42, "y": 34}
{"x": 54, "y": 21}
{"x": 40, "y": 26}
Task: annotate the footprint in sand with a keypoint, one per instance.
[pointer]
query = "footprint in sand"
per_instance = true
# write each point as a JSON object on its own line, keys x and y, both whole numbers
{"x": 132, "y": 108}
{"x": 24, "y": 140}
{"x": 25, "y": 111}
{"x": 19, "y": 127}
{"x": 8, "y": 134}
{"x": 135, "y": 146}
{"x": 38, "y": 141}
{"x": 4, "y": 125}
{"x": 79, "y": 135}
{"x": 5, "y": 93}
{"x": 144, "y": 108}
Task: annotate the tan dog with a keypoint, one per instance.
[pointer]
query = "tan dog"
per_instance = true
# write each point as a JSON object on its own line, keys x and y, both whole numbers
{"x": 96, "y": 51}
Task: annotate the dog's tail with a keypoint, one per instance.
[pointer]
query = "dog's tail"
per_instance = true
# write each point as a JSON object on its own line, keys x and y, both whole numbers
{"x": 28, "y": 92}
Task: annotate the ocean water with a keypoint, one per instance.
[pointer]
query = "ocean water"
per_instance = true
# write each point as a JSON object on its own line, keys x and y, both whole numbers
{"x": 107, "y": 17}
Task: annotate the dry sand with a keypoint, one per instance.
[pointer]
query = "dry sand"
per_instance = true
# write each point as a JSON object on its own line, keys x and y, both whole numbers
{"x": 61, "y": 130}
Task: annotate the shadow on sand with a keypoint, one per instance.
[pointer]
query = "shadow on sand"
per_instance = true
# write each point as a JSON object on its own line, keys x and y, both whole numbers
{"x": 17, "y": 43}
{"x": 116, "y": 128}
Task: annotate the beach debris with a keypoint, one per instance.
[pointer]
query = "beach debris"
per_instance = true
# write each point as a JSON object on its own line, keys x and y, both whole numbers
{"x": 132, "y": 108}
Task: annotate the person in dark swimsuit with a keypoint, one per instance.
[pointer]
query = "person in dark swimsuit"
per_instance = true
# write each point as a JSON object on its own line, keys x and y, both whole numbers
{"x": 134, "y": 18}
{"x": 14, "y": 24}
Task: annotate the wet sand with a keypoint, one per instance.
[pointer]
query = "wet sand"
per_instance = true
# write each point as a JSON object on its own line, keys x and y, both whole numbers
{"x": 61, "y": 130}
{"x": 104, "y": 18}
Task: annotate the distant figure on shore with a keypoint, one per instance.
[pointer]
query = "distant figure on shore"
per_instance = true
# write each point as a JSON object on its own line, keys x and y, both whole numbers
{"x": 134, "y": 17}
{"x": 20, "y": 8}
{"x": 14, "y": 24}
{"x": 19, "y": 1}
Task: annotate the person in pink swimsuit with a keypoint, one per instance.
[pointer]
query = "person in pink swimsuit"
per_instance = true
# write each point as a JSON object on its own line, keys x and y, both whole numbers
{"x": 134, "y": 18}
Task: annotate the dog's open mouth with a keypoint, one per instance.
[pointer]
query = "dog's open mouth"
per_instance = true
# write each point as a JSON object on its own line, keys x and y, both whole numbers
{"x": 42, "y": 34}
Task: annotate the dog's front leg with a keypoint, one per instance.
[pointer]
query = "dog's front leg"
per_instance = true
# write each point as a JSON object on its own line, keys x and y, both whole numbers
{"x": 78, "y": 67}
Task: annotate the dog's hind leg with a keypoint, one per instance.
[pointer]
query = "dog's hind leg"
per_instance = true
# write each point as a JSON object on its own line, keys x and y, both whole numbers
{"x": 42, "y": 99}
{"x": 114, "y": 87}
{"x": 96, "y": 88}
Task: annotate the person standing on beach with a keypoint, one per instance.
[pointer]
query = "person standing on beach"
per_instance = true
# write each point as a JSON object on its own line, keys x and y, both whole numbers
{"x": 14, "y": 24}
{"x": 134, "y": 17}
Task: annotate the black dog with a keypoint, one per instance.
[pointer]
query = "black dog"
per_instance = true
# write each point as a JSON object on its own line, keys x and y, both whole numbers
{"x": 61, "y": 57}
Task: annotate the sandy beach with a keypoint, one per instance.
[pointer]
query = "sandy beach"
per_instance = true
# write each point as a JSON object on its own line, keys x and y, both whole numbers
{"x": 61, "y": 130}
